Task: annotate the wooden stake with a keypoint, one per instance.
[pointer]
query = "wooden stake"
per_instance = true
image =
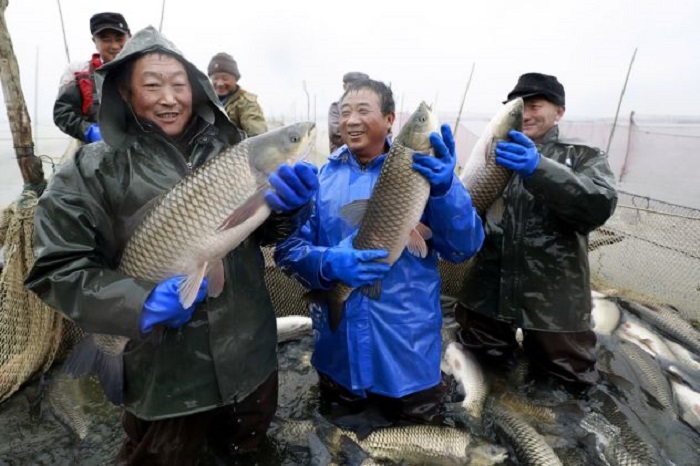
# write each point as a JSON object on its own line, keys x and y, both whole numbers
{"x": 619, "y": 102}
{"x": 20, "y": 123}
{"x": 464, "y": 97}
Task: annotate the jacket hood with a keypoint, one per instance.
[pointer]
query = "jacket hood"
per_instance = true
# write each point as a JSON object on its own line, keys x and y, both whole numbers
{"x": 115, "y": 112}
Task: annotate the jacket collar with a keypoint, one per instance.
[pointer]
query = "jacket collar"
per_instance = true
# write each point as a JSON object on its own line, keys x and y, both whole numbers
{"x": 344, "y": 155}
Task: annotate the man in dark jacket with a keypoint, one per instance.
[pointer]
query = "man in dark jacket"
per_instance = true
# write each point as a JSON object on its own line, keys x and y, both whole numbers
{"x": 203, "y": 384}
{"x": 532, "y": 271}
{"x": 78, "y": 102}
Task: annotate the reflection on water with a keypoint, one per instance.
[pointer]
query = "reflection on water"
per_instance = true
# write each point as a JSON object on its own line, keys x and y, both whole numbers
{"x": 620, "y": 421}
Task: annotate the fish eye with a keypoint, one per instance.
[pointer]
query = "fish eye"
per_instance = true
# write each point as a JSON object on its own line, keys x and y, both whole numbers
{"x": 294, "y": 137}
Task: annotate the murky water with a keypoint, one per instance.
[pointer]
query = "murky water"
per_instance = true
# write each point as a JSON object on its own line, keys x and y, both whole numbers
{"x": 32, "y": 435}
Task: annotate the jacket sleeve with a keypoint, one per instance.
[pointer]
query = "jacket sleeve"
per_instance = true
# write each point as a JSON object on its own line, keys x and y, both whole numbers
{"x": 457, "y": 229}
{"x": 252, "y": 118}
{"x": 334, "y": 127}
{"x": 583, "y": 195}
{"x": 68, "y": 113}
{"x": 300, "y": 257}
{"x": 76, "y": 253}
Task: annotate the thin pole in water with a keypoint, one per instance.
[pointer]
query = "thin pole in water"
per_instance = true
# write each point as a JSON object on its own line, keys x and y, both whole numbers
{"x": 162, "y": 14}
{"x": 619, "y": 102}
{"x": 464, "y": 97}
{"x": 308, "y": 101}
{"x": 63, "y": 28}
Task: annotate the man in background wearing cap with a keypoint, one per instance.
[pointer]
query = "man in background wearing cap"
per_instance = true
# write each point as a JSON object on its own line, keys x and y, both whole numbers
{"x": 241, "y": 106}
{"x": 78, "y": 102}
{"x": 533, "y": 271}
{"x": 334, "y": 111}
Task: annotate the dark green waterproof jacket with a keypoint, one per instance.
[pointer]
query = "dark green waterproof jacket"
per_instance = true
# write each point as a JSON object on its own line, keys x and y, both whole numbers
{"x": 533, "y": 268}
{"x": 87, "y": 215}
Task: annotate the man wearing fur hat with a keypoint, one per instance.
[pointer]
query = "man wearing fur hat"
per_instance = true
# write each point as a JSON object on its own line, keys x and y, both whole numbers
{"x": 241, "y": 106}
{"x": 532, "y": 271}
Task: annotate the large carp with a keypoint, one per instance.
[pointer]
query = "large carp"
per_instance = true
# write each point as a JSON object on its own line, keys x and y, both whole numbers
{"x": 484, "y": 179}
{"x": 391, "y": 216}
{"x": 190, "y": 229}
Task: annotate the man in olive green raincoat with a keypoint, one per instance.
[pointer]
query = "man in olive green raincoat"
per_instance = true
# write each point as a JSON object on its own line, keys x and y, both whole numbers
{"x": 241, "y": 106}
{"x": 212, "y": 379}
{"x": 533, "y": 271}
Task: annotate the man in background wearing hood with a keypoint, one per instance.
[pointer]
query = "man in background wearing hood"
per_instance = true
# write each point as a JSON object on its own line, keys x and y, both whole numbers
{"x": 241, "y": 106}
{"x": 78, "y": 103}
{"x": 203, "y": 385}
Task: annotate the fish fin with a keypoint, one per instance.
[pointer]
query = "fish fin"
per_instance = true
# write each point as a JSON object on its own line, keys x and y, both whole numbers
{"x": 416, "y": 245}
{"x": 363, "y": 423}
{"x": 87, "y": 358}
{"x": 326, "y": 430}
{"x": 373, "y": 291}
{"x": 424, "y": 231}
{"x": 215, "y": 279}
{"x": 189, "y": 288}
{"x": 353, "y": 212}
{"x": 353, "y": 454}
{"x": 319, "y": 452}
{"x": 336, "y": 307}
{"x": 245, "y": 210}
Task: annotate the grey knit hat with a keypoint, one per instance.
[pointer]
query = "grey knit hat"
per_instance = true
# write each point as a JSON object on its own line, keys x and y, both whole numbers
{"x": 353, "y": 76}
{"x": 223, "y": 63}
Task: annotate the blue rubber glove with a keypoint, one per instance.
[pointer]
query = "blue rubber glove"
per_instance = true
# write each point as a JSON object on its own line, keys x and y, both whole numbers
{"x": 92, "y": 134}
{"x": 354, "y": 267}
{"x": 293, "y": 186}
{"x": 163, "y": 305}
{"x": 440, "y": 169}
{"x": 520, "y": 155}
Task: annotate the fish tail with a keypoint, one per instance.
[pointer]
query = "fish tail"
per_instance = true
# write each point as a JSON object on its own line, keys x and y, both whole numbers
{"x": 86, "y": 358}
{"x": 335, "y": 302}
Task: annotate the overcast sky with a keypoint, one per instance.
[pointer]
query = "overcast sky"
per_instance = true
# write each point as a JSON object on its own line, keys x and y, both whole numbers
{"x": 425, "y": 53}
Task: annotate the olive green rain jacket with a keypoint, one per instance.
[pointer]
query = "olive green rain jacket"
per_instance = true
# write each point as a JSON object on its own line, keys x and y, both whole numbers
{"x": 533, "y": 267}
{"x": 90, "y": 210}
{"x": 244, "y": 111}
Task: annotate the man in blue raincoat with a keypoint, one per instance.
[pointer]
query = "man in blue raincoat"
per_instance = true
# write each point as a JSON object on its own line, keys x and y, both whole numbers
{"x": 386, "y": 349}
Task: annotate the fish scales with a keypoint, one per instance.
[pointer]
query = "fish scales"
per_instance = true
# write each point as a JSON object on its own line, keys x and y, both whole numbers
{"x": 482, "y": 176}
{"x": 417, "y": 444}
{"x": 155, "y": 253}
{"x": 530, "y": 447}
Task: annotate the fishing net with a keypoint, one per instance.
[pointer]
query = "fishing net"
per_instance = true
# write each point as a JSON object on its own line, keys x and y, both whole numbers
{"x": 649, "y": 251}
{"x": 286, "y": 293}
{"x": 32, "y": 335}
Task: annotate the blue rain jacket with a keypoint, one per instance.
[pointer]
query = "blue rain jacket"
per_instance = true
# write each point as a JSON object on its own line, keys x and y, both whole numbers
{"x": 390, "y": 346}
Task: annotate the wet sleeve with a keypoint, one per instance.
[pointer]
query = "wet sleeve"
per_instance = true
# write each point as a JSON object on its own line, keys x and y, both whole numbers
{"x": 457, "y": 229}
{"x": 299, "y": 256}
{"x": 76, "y": 251}
{"x": 583, "y": 195}
{"x": 68, "y": 113}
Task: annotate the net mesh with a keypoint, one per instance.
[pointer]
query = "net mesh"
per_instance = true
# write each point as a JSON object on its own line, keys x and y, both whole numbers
{"x": 649, "y": 251}
{"x": 32, "y": 335}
